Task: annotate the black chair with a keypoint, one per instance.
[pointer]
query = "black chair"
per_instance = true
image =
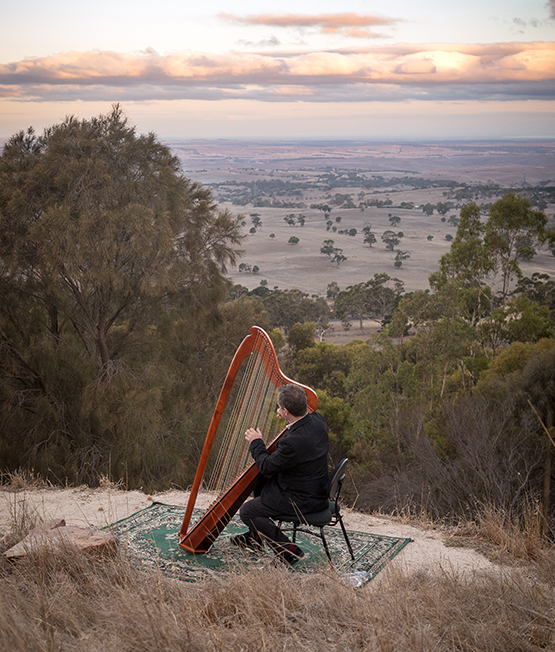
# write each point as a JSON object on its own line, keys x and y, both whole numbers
{"x": 327, "y": 518}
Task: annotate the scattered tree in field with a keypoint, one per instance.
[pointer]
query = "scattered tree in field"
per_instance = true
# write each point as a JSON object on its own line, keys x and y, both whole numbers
{"x": 400, "y": 257}
{"x": 335, "y": 254}
{"x": 370, "y": 239}
{"x": 394, "y": 220}
{"x": 328, "y": 248}
{"x": 428, "y": 209}
{"x": 332, "y": 290}
{"x": 293, "y": 240}
{"x": 338, "y": 257}
{"x": 444, "y": 207}
{"x": 390, "y": 239}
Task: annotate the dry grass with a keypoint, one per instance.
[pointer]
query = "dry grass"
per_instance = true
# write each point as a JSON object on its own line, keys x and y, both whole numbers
{"x": 20, "y": 480}
{"x": 70, "y": 601}
{"x": 504, "y": 537}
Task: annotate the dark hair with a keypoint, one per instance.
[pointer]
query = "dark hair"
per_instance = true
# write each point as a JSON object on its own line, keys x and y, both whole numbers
{"x": 293, "y": 399}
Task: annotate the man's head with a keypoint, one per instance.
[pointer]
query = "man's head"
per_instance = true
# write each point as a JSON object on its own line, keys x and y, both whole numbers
{"x": 293, "y": 399}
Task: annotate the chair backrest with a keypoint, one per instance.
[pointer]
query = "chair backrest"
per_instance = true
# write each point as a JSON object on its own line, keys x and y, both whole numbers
{"x": 336, "y": 479}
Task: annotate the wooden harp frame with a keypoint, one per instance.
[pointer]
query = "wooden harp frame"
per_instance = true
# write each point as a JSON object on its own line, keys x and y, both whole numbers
{"x": 204, "y": 532}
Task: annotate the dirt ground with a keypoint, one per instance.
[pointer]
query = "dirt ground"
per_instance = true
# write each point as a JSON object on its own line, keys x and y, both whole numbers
{"x": 95, "y": 508}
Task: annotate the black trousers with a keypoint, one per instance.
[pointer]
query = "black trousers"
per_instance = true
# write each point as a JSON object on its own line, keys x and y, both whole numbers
{"x": 258, "y": 518}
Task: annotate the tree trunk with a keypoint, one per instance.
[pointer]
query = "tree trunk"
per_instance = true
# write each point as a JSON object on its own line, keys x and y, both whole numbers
{"x": 547, "y": 473}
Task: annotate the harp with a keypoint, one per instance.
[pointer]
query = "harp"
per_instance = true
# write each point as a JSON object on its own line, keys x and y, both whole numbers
{"x": 247, "y": 400}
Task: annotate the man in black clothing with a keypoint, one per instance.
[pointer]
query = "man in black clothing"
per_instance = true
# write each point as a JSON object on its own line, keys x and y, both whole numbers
{"x": 296, "y": 476}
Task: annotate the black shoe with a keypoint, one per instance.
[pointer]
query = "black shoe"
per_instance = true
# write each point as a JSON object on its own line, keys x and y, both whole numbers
{"x": 248, "y": 540}
{"x": 290, "y": 555}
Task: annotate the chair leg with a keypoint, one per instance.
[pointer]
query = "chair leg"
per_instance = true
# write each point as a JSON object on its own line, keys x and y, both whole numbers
{"x": 325, "y": 543}
{"x": 346, "y": 538}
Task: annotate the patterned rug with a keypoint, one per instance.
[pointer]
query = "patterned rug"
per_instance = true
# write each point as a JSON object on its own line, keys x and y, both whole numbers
{"x": 151, "y": 535}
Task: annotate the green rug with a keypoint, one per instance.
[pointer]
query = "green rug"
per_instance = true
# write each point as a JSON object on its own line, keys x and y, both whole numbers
{"x": 152, "y": 535}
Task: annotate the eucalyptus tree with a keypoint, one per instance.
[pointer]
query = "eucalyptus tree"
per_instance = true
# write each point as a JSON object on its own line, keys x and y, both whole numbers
{"x": 369, "y": 238}
{"x": 513, "y": 230}
{"x": 288, "y": 307}
{"x": 373, "y": 299}
{"x": 463, "y": 271}
{"x": 390, "y": 239}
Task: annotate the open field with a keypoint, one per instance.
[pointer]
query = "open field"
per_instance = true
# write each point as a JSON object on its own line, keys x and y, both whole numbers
{"x": 301, "y": 169}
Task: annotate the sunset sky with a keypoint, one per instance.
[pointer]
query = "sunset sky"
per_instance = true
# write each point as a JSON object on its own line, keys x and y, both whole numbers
{"x": 358, "y": 69}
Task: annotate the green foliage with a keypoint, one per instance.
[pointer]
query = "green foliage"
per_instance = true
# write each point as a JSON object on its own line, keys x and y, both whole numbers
{"x": 519, "y": 320}
{"x": 337, "y": 413}
{"x": 394, "y": 220}
{"x": 369, "y": 238}
{"x": 301, "y": 336}
{"x": 512, "y": 230}
{"x": 332, "y": 290}
{"x": 278, "y": 339}
{"x": 390, "y": 239}
{"x": 373, "y": 299}
{"x": 287, "y": 307}
{"x": 400, "y": 256}
{"x": 512, "y": 359}
{"x": 323, "y": 366}
{"x": 539, "y": 288}
{"x": 105, "y": 249}
{"x": 335, "y": 254}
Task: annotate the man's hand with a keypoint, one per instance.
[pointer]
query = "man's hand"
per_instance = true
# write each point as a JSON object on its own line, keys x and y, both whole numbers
{"x": 251, "y": 434}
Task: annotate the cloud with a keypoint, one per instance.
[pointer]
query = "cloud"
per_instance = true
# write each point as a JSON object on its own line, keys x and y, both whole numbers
{"x": 348, "y": 24}
{"x": 271, "y": 42}
{"x": 551, "y": 6}
{"x": 402, "y": 71}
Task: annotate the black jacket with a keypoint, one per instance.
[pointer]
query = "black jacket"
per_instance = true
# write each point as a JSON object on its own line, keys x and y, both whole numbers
{"x": 297, "y": 470}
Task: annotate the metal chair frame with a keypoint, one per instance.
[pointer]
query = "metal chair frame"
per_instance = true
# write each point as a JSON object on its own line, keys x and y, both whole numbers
{"x": 326, "y": 518}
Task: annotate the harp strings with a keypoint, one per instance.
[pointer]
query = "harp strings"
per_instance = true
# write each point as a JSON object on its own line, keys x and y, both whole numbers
{"x": 253, "y": 409}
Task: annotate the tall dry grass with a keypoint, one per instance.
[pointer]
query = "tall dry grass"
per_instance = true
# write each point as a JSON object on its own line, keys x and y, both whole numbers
{"x": 68, "y": 601}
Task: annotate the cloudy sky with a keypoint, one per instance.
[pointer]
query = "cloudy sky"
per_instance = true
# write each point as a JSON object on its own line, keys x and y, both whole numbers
{"x": 433, "y": 69}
